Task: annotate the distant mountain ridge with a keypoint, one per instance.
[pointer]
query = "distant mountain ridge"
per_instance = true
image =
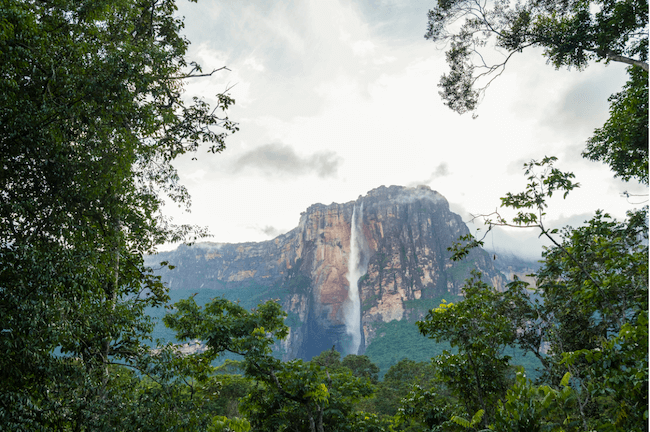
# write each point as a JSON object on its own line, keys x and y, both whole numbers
{"x": 345, "y": 270}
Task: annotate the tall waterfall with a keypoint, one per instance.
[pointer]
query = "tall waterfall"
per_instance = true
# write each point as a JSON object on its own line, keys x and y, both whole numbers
{"x": 357, "y": 267}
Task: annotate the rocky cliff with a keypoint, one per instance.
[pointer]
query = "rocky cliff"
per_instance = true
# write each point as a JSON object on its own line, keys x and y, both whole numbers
{"x": 345, "y": 268}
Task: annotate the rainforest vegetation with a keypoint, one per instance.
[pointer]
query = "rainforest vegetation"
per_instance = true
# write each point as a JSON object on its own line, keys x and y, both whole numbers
{"x": 91, "y": 120}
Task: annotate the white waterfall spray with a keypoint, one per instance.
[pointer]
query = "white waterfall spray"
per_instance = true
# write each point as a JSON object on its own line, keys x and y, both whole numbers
{"x": 357, "y": 267}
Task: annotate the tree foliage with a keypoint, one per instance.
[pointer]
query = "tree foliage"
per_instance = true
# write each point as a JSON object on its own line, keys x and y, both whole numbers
{"x": 92, "y": 117}
{"x": 537, "y": 408}
{"x": 477, "y": 375}
{"x": 294, "y": 395}
{"x": 594, "y": 309}
{"x": 622, "y": 143}
{"x": 590, "y": 322}
{"x": 362, "y": 367}
{"x": 572, "y": 33}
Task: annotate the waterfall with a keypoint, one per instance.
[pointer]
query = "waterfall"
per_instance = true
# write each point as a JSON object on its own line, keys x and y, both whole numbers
{"x": 357, "y": 267}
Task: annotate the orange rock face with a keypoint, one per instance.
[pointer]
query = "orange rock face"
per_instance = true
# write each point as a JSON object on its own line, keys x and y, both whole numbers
{"x": 406, "y": 232}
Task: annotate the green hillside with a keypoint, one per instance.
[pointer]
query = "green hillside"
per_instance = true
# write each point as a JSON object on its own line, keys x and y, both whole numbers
{"x": 396, "y": 340}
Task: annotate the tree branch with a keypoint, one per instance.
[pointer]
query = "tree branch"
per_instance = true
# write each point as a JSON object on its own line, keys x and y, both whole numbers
{"x": 611, "y": 55}
{"x": 191, "y": 75}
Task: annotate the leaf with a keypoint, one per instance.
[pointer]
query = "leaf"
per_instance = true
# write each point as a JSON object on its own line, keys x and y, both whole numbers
{"x": 565, "y": 379}
{"x": 476, "y": 419}
{"x": 461, "y": 421}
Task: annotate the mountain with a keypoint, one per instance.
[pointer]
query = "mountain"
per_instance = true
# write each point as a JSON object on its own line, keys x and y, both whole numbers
{"x": 345, "y": 271}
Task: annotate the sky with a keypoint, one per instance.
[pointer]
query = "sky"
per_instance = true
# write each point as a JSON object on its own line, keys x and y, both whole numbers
{"x": 335, "y": 98}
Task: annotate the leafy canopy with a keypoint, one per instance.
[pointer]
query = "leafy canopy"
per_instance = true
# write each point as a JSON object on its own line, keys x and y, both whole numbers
{"x": 589, "y": 321}
{"x": 92, "y": 117}
{"x": 293, "y": 395}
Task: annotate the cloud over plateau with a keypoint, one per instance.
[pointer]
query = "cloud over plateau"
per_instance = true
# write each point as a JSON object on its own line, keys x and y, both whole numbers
{"x": 276, "y": 159}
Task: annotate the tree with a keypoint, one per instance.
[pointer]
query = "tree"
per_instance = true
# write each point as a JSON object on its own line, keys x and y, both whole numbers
{"x": 231, "y": 387}
{"x": 92, "y": 117}
{"x": 306, "y": 398}
{"x": 362, "y": 367}
{"x": 622, "y": 143}
{"x": 532, "y": 408}
{"x": 328, "y": 359}
{"x": 358, "y": 365}
{"x": 599, "y": 316}
{"x": 593, "y": 283}
{"x": 572, "y": 33}
{"x": 398, "y": 382}
{"x": 429, "y": 409}
{"x": 592, "y": 314}
{"x": 479, "y": 328}
{"x": 291, "y": 395}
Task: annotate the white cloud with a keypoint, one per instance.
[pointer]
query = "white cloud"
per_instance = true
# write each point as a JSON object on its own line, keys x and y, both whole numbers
{"x": 363, "y": 48}
{"x": 196, "y": 176}
{"x": 254, "y": 64}
{"x": 334, "y": 81}
{"x": 384, "y": 60}
{"x": 442, "y": 170}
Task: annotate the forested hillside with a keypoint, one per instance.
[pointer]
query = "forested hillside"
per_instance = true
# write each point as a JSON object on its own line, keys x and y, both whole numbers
{"x": 92, "y": 116}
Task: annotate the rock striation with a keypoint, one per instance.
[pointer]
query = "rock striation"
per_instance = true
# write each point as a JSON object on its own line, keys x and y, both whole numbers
{"x": 400, "y": 255}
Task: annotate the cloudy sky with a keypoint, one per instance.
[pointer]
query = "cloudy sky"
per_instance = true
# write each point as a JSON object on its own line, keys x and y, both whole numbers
{"x": 335, "y": 98}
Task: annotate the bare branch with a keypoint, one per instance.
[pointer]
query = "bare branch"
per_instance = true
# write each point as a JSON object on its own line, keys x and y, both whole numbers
{"x": 191, "y": 75}
{"x": 611, "y": 55}
{"x": 545, "y": 233}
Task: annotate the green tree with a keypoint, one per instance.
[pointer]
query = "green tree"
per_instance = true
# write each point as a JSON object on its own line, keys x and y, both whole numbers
{"x": 361, "y": 366}
{"x": 572, "y": 33}
{"x": 598, "y": 311}
{"x": 616, "y": 378}
{"x": 306, "y": 398}
{"x": 529, "y": 408}
{"x": 358, "y": 365}
{"x": 328, "y": 359}
{"x": 291, "y": 395}
{"x": 429, "y": 409}
{"x": 622, "y": 143}
{"x": 224, "y": 424}
{"x": 92, "y": 117}
{"x": 398, "y": 382}
{"x": 480, "y": 330}
{"x": 592, "y": 316}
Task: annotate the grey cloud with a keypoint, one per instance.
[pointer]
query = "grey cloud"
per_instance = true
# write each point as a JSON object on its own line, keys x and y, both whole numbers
{"x": 442, "y": 170}
{"x": 280, "y": 159}
{"x": 573, "y": 221}
{"x": 585, "y": 100}
{"x": 270, "y": 231}
{"x": 523, "y": 243}
{"x": 460, "y": 210}
{"x": 584, "y": 106}
{"x": 396, "y": 19}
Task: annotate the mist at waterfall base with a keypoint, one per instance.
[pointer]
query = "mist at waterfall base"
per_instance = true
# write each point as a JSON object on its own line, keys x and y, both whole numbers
{"x": 357, "y": 267}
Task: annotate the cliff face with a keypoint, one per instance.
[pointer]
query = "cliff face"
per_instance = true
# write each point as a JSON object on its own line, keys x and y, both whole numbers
{"x": 345, "y": 268}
